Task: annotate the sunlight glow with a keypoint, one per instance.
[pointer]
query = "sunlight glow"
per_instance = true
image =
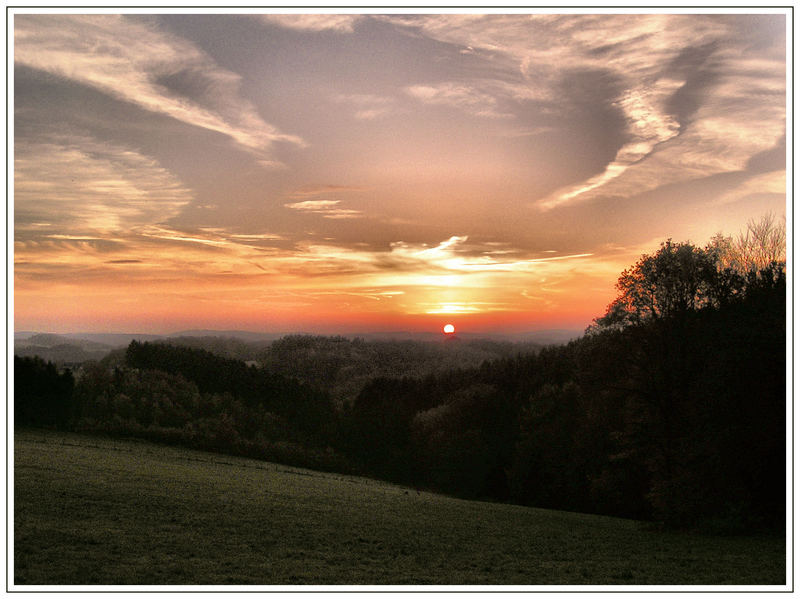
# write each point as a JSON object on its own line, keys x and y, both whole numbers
{"x": 453, "y": 309}
{"x": 436, "y": 193}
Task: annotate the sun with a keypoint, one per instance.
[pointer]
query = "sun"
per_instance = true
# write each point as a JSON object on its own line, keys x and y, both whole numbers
{"x": 449, "y": 329}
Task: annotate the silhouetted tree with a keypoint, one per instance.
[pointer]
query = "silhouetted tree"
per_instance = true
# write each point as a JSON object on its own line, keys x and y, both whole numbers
{"x": 42, "y": 395}
{"x": 683, "y": 316}
{"x": 676, "y": 279}
{"x": 761, "y": 243}
{"x": 671, "y": 407}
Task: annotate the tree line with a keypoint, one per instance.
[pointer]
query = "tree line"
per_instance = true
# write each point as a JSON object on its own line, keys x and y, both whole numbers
{"x": 671, "y": 407}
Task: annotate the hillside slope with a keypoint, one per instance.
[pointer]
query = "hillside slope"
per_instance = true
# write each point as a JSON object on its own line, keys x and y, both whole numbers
{"x": 91, "y": 510}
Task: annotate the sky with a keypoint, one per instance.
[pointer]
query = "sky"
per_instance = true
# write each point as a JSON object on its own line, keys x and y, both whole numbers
{"x": 338, "y": 173}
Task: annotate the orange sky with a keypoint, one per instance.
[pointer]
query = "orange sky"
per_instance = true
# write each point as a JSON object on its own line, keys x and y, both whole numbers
{"x": 365, "y": 172}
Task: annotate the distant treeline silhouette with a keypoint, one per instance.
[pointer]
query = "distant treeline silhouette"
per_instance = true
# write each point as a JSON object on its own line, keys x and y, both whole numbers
{"x": 670, "y": 408}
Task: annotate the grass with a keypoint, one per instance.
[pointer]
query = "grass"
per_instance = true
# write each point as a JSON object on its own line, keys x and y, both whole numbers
{"x": 91, "y": 510}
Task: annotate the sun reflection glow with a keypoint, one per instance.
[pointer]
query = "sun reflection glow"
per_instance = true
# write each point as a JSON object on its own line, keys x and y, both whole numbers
{"x": 453, "y": 309}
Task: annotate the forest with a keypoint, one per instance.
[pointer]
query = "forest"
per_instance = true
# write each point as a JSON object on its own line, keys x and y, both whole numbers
{"x": 670, "y": 408}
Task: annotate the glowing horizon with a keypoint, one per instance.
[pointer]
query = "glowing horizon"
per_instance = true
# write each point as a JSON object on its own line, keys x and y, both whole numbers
{"x": 358, "y": 173}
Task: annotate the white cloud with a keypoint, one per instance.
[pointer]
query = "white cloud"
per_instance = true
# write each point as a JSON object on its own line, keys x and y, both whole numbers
{"x": 441, "y": 265}
{"x": 309, "y": 22}
{"x": 78, "y": 184}
{"x": 740, "y": 113}
{"x": 369, "y": 106}
{"x": 468, "y": 98}
{"x": 312, "y": 205}
{"x": 315, "y": 190}
{"x": 325, "y": 208}
{"x": 134, "y": 61}
{"x": 765, "y": 184}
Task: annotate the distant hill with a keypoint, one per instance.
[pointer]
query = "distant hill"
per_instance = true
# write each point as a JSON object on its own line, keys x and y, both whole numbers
{"x": 49, "y": 340}
{"x": 342, "y": 366}
{"x": 113, "y": 339}
{"x": 74, "y": 348}
{"x": 545, "y": 336}
{"x": 60, "y": 349}
{"x": 243, "y": 335}
{"x": 23, "y": 338}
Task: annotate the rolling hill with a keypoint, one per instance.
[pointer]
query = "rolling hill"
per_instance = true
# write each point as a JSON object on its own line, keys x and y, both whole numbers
{"x": 91, "y": 510}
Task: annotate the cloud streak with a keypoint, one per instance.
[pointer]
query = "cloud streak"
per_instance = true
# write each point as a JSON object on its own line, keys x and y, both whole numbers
{"x": 468, "y": 98}
{"x": 309, "y": 22}
{"x": 646, "y": 54}
{"x": 134, "y": 61}
{"x": 78, "y": 185}
{"x": 369, "y": 107}
{"x": 429, "y": 139}
{"x": 325, "y": 208}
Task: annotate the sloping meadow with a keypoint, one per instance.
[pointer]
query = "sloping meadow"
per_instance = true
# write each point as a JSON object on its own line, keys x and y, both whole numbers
{"x": 91, "y": 510}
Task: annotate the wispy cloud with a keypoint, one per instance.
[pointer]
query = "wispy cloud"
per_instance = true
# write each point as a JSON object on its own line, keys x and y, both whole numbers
{"x": 222, "y": 267}
{"x": 315, "y": 190}
{"x": 312, "y": 205}
{"x": 440, "y": 264}
{"x": 369, "y": 107}
{"x": 761, "y": 185}
{"x": 78, "y": 185}
{"x": 468, "y": 98}
{"x": 372, "y": 294}
{"x": 325, "y": 208}
{"x": 454, "y": 276}
{"x": 158, "y": 254}
{"x": 655, "y": 59}
{"x": 315, "y": 199}
{"x": 135, "y": 61}
{"x": 243, "y": 246}
{"x": 499, "y": 111}
{"x": 460, "y": 307}
{"x": 83, "y": 207}
{"x": 169, "y": 234}
{"x": 317, "y": 22}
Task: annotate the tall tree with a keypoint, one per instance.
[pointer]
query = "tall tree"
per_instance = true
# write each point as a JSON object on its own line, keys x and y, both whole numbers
{"x": 760, "y": 244}
{"x": 42, "y": 395}
{"x": 673, "y": 281}
{"x": 687, "y": 315}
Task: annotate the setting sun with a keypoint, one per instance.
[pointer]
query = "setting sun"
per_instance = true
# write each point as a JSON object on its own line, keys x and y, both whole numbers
{"x": 513, "y": 234}
{"x": 238, "y": 231}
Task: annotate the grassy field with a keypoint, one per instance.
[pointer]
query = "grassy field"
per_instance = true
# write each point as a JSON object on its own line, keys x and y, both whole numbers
{"x": 99, "y": 511}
